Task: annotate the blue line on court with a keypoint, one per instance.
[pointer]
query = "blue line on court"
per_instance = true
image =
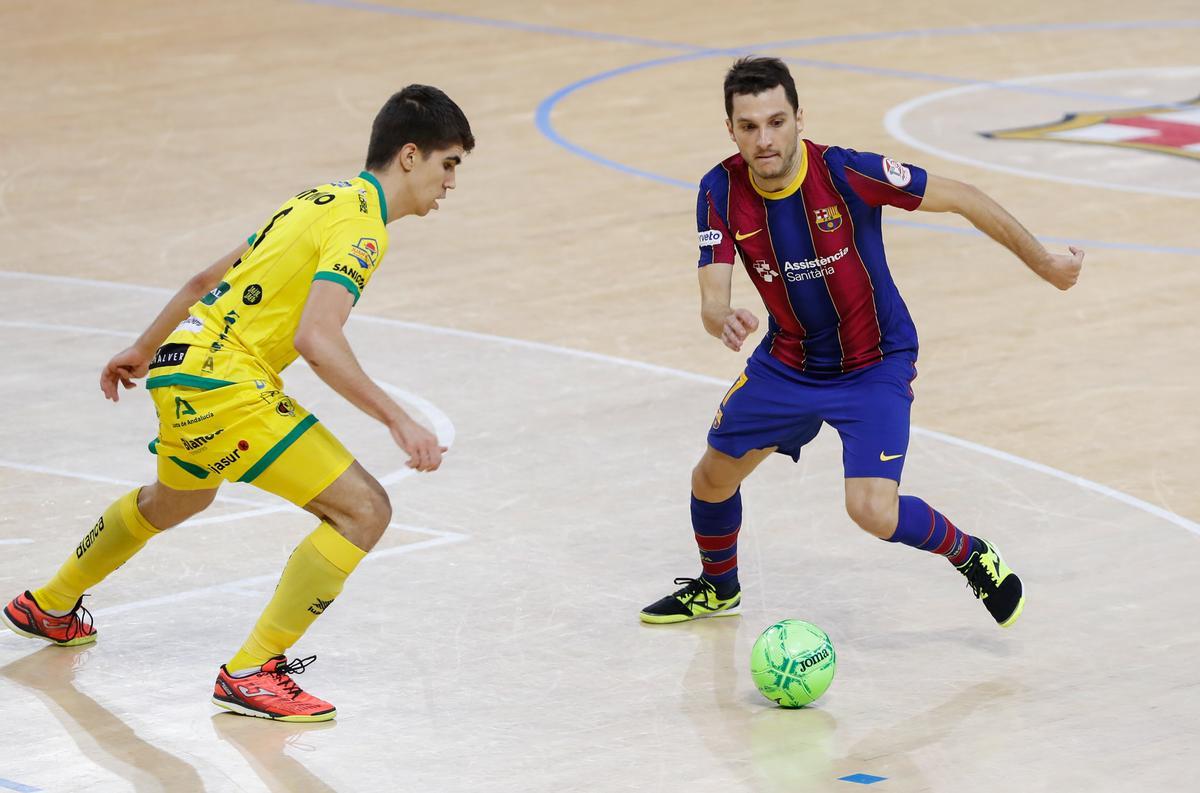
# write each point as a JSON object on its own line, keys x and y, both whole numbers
{"x": 8, "y": 784}
{"x": 972, "y": 30}
{"x": 525, "y": 27}
{"x": 997, "y": 85}
{"x": 1116, "y": 246}
{"x": 862, "y": 779}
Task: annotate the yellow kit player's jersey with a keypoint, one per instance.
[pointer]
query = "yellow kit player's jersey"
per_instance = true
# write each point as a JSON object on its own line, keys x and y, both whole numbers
{"x": 243, "y": 329}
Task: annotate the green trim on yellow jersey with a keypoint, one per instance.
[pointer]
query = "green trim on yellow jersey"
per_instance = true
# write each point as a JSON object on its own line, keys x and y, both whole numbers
{"x": 370, "y": 177}
{"x": 191, "y": 468}
{"x": 278, "y": 449}
{"x": 338, "y": 278}
{"x": 189, "y": 380}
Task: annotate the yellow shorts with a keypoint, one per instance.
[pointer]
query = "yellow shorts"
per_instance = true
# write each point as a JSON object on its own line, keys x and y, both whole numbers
{"x": 244, "y": 432}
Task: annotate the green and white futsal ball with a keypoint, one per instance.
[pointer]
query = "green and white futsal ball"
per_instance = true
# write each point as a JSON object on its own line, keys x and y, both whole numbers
{"x": 792, "y": 663}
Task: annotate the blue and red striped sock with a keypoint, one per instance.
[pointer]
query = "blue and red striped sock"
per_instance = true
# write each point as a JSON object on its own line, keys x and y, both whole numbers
{"x": 716, "y": 527}
{"x": 923, "y": 527}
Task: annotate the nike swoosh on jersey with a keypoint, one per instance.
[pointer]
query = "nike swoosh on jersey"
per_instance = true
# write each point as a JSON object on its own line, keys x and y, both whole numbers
{"x": 883, "y": 458}
{"x": 739, "y": 236}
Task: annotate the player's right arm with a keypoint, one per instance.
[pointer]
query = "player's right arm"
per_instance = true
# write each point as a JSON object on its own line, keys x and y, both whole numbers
{"x": 134, "y": 361}
{"x": 321, "y": 342}
{"x": 721, "y": 320}
{"x": 730, "y": 325}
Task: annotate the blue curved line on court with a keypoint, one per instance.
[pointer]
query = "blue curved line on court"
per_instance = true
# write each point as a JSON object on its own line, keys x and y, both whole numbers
{"x": 546, "y": 127}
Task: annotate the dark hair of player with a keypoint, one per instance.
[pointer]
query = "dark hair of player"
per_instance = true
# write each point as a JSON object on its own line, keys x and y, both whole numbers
{"x": 421, "y": 115}
{"x": 755, "y": 74}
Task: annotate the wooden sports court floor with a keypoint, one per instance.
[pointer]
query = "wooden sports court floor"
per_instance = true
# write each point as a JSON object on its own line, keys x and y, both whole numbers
{"x": 545, "y": 323}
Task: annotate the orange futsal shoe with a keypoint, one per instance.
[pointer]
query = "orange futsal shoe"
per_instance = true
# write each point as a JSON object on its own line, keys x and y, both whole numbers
{"x": 26, "y": 617}
{"x": 270, "y": 693}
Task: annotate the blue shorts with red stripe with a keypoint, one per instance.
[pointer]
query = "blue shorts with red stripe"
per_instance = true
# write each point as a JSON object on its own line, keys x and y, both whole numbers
{"x": 773, "y": 404}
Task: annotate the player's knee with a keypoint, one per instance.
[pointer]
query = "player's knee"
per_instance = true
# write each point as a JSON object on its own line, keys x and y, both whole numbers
{"x": 874, "y": 514}
{"x": 381, "y": 508}
{"x": 371, "y": 512}
{"x": 166, "y": 508}
{"x": 709, "y": 485}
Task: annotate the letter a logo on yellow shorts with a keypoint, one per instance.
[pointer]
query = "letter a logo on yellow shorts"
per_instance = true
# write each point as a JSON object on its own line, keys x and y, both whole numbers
{"x": 182, "y": 408}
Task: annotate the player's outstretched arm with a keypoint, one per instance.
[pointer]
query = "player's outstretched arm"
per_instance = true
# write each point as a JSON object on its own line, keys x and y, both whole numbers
{"x": 320, "y": 340}
{"x": 728, "y": 324}
{"x": 134, "y": 361}
{"x": 948, "y": 195}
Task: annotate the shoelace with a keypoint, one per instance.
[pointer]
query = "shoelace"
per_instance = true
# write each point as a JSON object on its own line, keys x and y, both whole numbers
{"x": 979, "y": 575}
{"x": 81, "y": 618}
{"x": 295, "y": 666}
{"x": 692, "y": 588}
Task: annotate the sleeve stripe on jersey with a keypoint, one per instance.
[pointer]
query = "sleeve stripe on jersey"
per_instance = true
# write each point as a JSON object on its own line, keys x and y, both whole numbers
{"x": 878, "y": 193}
{"x": 725, "y": 247}
{"x": 338, "y": 278}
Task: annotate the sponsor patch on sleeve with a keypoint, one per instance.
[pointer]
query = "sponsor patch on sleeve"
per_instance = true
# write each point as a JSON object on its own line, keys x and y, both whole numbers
{"x": 897, "y": 172}
{"x": 710, "y": 238}
{"x": 365, "y": 251}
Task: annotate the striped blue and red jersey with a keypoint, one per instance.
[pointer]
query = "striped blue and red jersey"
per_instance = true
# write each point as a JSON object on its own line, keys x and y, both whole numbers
{"x": 814, "y": 251}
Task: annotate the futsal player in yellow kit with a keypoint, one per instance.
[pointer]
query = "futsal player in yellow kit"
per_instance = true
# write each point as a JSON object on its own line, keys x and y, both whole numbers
{"x": 213, "y": 359}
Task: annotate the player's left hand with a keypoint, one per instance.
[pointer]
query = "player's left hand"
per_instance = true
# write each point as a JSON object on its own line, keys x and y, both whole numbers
{"x": 124, "y": 367}
{"x": 1063, "y": 270}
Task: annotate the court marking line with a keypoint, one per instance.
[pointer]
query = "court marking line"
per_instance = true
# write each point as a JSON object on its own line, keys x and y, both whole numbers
{"x": 437, "y": 537}
{"x": 495, "y": 22}
{"x": 9, "y": 784}
{"x": 893, "y": 122}
{"x": 1079, "y": 481}
{"x": 108, "y": 480}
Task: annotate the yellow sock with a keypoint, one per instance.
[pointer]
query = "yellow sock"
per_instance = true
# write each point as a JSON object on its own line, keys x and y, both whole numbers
{"x": 312, "y": 578}
{"x": 120, "y": 533}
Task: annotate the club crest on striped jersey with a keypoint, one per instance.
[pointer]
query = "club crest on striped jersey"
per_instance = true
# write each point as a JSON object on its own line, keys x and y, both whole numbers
{"x": 828, "y": 219}
{"x": 1171, "y": 129}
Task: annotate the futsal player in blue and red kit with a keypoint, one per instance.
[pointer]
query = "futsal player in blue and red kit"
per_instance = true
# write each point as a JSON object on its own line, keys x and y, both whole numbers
{"x": 840, "y": 346}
